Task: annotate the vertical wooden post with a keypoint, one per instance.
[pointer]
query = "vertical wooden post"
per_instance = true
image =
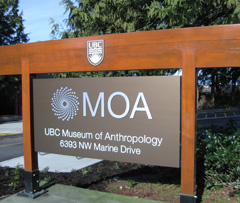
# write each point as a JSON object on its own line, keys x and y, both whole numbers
{"x": 188, "y": 178}
{"x": 30, "y": 157}
{"x": 31, "y": 173}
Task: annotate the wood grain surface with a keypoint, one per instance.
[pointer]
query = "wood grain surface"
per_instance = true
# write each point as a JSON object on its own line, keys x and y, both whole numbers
{"x": 216, "y": 46}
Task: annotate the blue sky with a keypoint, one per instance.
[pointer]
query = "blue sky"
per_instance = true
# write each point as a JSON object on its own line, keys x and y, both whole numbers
{"x": 37, "y": 14}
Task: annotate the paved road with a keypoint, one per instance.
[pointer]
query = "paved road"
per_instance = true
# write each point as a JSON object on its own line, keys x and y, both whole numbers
{"x": 206, "y": 118}
{"x": 11, "y": 146}
{"x": 217, "y": 121}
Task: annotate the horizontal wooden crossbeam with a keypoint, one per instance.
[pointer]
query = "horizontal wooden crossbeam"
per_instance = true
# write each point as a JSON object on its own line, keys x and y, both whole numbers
{"x": 216, "y": 46}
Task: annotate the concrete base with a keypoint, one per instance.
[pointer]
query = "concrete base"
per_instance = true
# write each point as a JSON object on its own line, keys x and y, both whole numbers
{"x": 62, "y": 193}
{"x": 31, "y": 195}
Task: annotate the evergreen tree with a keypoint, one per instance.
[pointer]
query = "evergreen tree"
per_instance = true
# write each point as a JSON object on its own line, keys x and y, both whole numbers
{"x": 11, "y": 32}
{"x": 98, "y": 17}
{"x": 11, "y": 23}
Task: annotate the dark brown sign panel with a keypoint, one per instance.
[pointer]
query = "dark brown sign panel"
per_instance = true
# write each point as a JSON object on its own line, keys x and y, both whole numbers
{"x": 130, "y": 119}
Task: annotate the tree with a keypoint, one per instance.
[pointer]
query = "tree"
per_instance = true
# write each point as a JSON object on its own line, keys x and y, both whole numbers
{"x": 11, "y": 32}
{"x": 11, "y": 23}
{"x": 98, "y": 17}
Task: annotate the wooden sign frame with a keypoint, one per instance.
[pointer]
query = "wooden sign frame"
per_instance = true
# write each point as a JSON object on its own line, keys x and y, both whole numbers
{"x": 187, "y": 49}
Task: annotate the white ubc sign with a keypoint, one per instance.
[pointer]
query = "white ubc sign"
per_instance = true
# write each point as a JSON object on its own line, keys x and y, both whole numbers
{"x": 95, "y": 51}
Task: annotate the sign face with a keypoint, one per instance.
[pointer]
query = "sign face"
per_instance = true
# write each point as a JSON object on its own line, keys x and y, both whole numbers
{"x": 129, "y": 119}
{"x": 95, "y": 51}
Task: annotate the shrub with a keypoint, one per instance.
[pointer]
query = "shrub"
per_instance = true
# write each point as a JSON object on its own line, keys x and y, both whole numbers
{"x": 220, "y": 148}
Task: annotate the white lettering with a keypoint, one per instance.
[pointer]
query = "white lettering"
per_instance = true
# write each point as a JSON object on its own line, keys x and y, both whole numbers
{"x": 51, "y": 132}
{"x": 145, "y": 108}
{"x": 87, "y": 100}
{"x": 110, "y": 104}
{"x": 133, "y": 139}
{"x": 105, "y": 148}
{"x": 75, "y": 134}
{"x": 130, "y": 150}
{"x": 85, "y": 145}
{"x": 100, "y": 104}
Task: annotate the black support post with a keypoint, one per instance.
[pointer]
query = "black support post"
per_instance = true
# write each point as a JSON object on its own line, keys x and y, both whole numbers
{"x": 31, "y": 181}
{"x": 187, "y": 198}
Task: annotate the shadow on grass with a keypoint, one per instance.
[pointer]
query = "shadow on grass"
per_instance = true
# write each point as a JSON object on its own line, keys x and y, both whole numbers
{"x": 156, "y": 174}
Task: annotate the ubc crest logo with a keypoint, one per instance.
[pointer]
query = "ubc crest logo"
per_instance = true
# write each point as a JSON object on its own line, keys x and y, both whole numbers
{"x": 65, "y": 104}
{"x": 95, "y": 51}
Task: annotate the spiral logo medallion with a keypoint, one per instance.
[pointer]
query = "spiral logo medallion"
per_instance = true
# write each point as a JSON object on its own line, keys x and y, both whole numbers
{"x": 65, "y": 104}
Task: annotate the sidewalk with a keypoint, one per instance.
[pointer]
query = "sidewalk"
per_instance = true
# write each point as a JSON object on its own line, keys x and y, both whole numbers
{"x": 61, "y": 194}
{"x": 10, "y": 126}
{"x": 54, "y": 162}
